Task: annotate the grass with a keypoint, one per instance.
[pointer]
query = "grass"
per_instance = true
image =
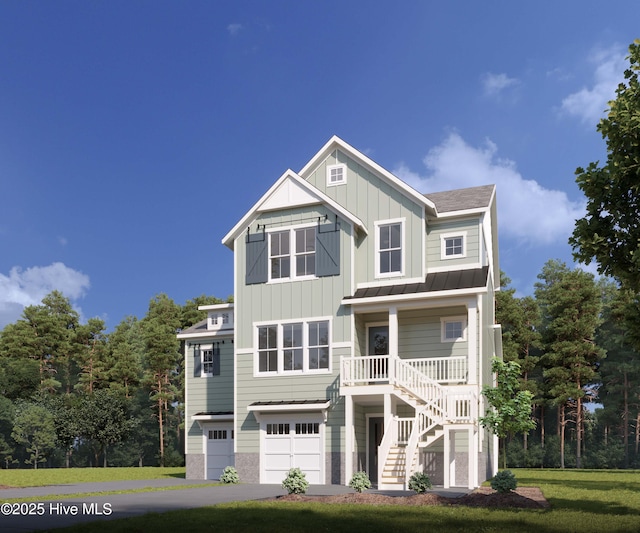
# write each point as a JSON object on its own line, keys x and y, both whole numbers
{"x": 584, "y": 500}
{"x": 62, "y": 476}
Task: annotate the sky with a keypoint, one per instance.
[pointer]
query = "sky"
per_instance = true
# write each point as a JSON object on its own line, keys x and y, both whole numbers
{"x": 135, "y": 134}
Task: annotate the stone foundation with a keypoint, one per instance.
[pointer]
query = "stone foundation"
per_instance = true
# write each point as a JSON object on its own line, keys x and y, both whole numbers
{"x": 195, "y": 466}
{"x": 248, "y": 467}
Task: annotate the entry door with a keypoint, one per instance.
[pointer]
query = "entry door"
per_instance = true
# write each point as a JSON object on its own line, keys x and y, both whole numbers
{"x": 376, "y": 429}
{"x": 378, "y": 344}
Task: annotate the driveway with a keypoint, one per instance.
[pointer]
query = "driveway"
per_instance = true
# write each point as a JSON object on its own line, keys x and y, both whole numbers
{"x": 51, "y": 514}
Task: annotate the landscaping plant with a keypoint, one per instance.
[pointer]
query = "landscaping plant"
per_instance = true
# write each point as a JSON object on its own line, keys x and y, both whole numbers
{"x": 419, "y": 482}
{"x": 360, "y": 481}
{"x": 230, "y": 475}
{"x": 296, "y": 482}
{"x": 504, "y": 481}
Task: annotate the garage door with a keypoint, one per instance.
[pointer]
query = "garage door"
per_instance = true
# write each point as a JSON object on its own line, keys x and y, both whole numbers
{"x": 296, "y": 443}
{"x": 219, "y": 449}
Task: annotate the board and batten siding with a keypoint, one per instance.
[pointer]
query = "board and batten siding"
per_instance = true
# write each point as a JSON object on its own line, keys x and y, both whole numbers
{"x": 296, "y": 299}
{"x": 372, "y": 199}
{"x": 473, "y": 248}
{"x": 207, "y": 394}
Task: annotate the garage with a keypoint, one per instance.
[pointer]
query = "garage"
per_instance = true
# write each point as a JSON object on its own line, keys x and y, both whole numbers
{"x": 219, "y": 449}
{"x": 290, "y": 444}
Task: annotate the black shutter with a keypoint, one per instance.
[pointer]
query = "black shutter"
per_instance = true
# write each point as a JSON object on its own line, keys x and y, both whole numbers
{"x": 328, "y": 250}
{"x": 197, "y": 362}
{"x": 256, "y": 260}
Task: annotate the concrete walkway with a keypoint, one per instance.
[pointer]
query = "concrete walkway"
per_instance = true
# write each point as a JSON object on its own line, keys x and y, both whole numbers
{"x": 51, "y": 513}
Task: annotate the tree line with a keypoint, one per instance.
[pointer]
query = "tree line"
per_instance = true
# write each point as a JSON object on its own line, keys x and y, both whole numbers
{"x": 72, "y": 394}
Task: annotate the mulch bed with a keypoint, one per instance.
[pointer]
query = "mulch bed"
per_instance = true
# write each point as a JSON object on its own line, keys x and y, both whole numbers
{"x": 521, "y": 498}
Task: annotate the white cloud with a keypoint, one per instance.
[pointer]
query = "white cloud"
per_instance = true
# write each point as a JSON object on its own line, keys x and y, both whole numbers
{"x": 590, "y": 104}
{"x": 27, "y": 287}
{"x": 234, "y": 29}
{"x": 527, "y": 211}
{"x": 494, "y": 84}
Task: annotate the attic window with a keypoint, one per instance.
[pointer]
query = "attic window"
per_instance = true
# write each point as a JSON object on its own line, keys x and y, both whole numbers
{"x": 336, "y": 174}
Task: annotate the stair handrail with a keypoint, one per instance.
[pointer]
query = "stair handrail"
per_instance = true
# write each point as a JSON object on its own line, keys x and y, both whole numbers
{"x": 421, "y": 386}
{"x": 388, "y": 438}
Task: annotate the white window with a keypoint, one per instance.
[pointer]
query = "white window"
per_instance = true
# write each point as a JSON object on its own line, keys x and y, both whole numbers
{"x": 336, "y": 174}
{"x": 453, "y": 245}
{"x": 211, "y": 361}
{"x": 295, "y": 347}
{"x": 389, "y": 248}
{"x": 453, "y": 329}
{"x": 287, "y": 262}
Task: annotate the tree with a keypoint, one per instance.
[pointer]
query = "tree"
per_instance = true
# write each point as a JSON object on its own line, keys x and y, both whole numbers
{"x": 34, "y": 428}
{"x": 510, "y": 407}
{"x": 609, "y": 233}
{"x": 162, "y": 354}
{"x": 570, "y": 304}
{"x": 125, "y": 355}
{"x": 90, "y": 355}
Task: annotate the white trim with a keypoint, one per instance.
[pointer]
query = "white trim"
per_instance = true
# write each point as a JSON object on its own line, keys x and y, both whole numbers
{"x": 453, "y": 235}
{"x": 388, "y": 282}
{"x": 235, "y": 357}
{"x": 212, "y": 418}
{"x": 259, "y": 207}
{"x": 451, "y": 319}
{"x": 343, "y": 344}
{"x": 208, "y": 334}
{"x": 280, "y": 348}
{"x": 344, "y": 174}
{"x": 281, "y": 408}
{"x": 292, "y": 228}
{"x": 449, "y": 268}
{"x": 215, "y": 307}
{"x": 390, "y": 222}
{"x": 413, "y": 297}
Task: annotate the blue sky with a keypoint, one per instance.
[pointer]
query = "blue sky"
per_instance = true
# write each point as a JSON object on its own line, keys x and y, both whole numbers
{"x": 134, "y": 135}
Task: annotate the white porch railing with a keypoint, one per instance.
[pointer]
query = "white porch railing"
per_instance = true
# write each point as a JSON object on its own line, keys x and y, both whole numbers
{"x": 371, "y": 369}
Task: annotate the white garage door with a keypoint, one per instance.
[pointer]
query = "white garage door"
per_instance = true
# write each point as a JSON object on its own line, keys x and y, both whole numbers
{"x": 219, "y": 449}
{"x": 296, "y": 443}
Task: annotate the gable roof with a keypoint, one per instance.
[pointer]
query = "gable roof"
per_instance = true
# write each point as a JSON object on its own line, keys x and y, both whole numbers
{"x": 336, "y": 143}
{"x": 289, "y": 191}
{"x": 471, "y": 198}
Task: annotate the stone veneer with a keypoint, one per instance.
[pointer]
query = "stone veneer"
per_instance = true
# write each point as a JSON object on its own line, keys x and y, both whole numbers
{"x": 195, "y": 466}
{"x": 248, "y": 467}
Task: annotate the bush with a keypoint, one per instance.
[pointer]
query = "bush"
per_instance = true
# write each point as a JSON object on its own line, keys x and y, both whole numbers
{"x": 419, "y": 482}
{"x": 296, "y": 482}
{"x": 504, "y": 481}
{"x": 230, "y": 475}
{"x": 360, "y": 481}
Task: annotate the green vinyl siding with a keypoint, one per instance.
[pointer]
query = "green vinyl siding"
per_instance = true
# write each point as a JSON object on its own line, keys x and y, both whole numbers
{"x": 283, "y": 388}
{"x": 372, "y": 199}
{"x": 419, "y": 334}
{"x": 210, "y": 394}
{"x": 472, "y": 243}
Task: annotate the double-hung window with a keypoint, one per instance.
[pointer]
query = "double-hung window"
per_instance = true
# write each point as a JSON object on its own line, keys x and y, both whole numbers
{"x": 389, "y": 248}
{"x": 453, "y": 329}
{"x": 291, "y": 262}
{"x": 295, "y": 347}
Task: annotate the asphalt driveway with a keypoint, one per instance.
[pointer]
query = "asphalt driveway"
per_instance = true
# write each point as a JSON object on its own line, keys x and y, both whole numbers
{"x": 51, "y": 513}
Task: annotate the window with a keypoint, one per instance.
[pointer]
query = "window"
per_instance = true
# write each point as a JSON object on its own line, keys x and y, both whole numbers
{"x": 389, "y": 252}
{"x": 453, "y": 245}
{"x": 296, "y": 347}
{"x": 280, "y": 255}
{"x": 218, "y": 434}
{"x": 308, "y": 428}
{"x": 318, "y": 345}
{"x": 211, "y": 360}
{"x": 453, "y": 329}
{"x": 336, "y": 174}
{"x": 304, "y": 253}
{"x": 278, "y": 429}
{"x": 292, "y": 344}
{"x": 268, "y": 349}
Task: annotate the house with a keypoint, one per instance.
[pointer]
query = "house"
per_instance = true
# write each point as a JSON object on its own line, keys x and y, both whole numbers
{"x": 360, "y": 337}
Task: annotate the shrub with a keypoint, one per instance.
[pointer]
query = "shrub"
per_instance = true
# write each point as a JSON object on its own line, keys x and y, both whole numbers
{"x": 230, "y": 475}
{"x": 504, "y": 481}
{"x": 419, "y": 482}
{"x": 360, "y": 481}
{"x": 295, "y": 482}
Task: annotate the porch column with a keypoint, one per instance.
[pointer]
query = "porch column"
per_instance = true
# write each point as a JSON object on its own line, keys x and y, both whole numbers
{"x": 388, "y": 410}
{"x": 393, "y": 341}
{"x": 447, "y": 458}
{"x": 472, "y": 342}
{"x": 472, "y": 475}
{"x": 348, "y": 438}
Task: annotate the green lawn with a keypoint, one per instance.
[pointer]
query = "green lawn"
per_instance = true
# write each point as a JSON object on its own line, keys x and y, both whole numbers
{"x": 61, "y": 476}
{"x": 585, "y": 500}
